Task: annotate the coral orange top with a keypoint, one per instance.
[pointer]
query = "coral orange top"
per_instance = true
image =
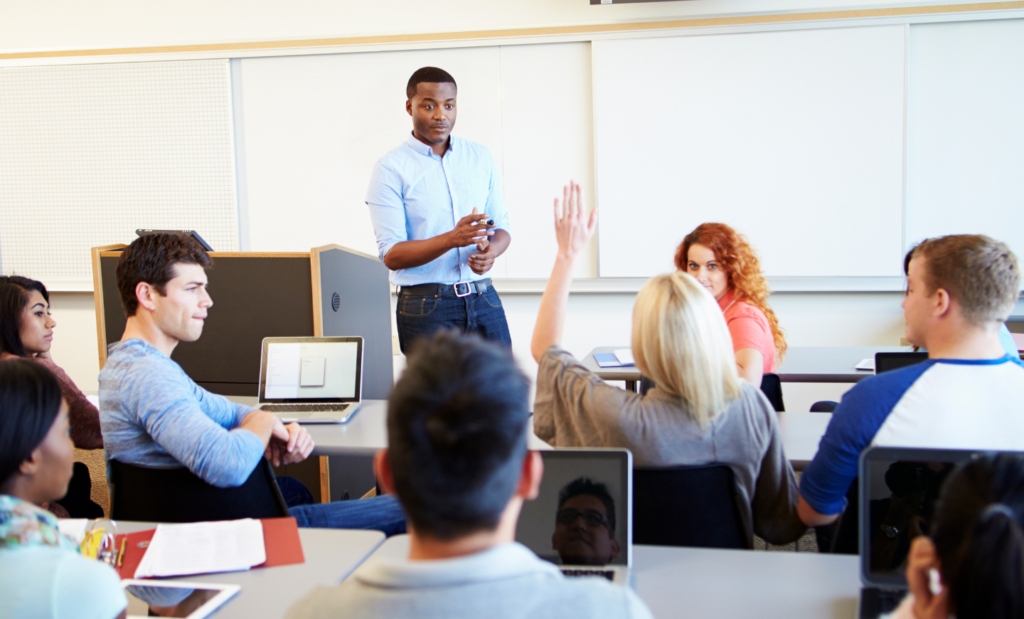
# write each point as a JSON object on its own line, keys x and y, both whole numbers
{"x": 749, "y": 328}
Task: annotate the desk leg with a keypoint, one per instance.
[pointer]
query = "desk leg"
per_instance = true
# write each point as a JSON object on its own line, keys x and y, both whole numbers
{"x": 633, "y": 385}
{"x": 325, "y": 480}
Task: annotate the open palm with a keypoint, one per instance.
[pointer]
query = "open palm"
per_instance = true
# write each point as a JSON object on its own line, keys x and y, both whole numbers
{"x": 573, "y": 228}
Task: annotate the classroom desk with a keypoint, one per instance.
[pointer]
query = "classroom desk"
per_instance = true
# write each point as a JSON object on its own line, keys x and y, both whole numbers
{"x": 331, "y": 554}
{"x": 366, "y": 433}
{"x": 803, "y": 364}
{"x": 699, "y": 583}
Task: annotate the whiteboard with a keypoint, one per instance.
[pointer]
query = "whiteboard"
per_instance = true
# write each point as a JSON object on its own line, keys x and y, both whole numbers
{"x": 315, "y": 125}
{"x": 794, "y": 138}
{"x": 965, "y": 169}
{"x": 89, "y": 154}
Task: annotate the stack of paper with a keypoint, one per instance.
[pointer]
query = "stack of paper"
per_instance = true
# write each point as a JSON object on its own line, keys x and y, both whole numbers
{"x": 203, "y": 548}
{"x": 625, "y": 356}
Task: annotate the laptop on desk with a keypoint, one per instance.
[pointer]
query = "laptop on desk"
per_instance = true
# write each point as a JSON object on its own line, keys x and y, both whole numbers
{"x": 899, "y": 487}
{"x": 591, "y": 534}
{"x": 311, "y": 379}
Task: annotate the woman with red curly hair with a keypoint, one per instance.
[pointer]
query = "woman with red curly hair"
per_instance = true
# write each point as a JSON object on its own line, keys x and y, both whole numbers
{"x": 724, "y": 262}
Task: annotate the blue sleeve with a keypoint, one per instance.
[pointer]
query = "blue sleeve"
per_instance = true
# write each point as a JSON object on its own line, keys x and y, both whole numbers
{"x": 173, "y": 412}
{"x": 86, "y": 589}
{"x": 854, "y": 424}
{"x": 1009, "y": 345}
{"x": 495, "y": 206}
{"x": 387, "y": 208}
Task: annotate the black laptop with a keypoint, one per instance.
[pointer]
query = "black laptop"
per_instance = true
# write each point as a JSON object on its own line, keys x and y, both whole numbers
{"x": 899, "y": 487}
{"x": 887, "y": 361}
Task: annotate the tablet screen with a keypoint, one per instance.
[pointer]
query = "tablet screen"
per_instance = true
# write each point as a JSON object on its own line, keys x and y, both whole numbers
{"x": 169, "y": 599}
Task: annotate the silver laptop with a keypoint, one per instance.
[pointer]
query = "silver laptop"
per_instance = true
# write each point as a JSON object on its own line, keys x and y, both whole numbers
{"x": 582, "y": 520}
{"x": 311, "y": 379}
{"x": 899, "y": 487}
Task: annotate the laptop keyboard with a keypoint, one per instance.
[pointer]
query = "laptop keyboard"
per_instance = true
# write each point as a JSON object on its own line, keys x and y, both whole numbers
{"x": 303, "y": 408}
{"x": 609, "y": 574}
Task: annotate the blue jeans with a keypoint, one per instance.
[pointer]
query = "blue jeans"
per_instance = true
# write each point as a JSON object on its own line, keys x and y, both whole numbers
{"x": 422, "y": 316}
{"x": 380, "y": 513}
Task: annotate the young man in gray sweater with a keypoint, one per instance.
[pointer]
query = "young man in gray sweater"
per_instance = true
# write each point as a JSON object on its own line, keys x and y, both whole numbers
{"x": 457, "y": 424}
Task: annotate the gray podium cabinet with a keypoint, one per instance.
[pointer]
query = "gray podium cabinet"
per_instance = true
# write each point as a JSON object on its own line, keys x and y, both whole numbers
{"x": 355, "y": 299}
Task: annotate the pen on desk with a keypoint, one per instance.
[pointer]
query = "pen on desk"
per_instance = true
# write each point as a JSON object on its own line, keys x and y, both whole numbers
{"x": 120, "y": 554}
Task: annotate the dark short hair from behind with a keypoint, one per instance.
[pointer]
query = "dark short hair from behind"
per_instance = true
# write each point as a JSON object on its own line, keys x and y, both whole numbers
{"x": 584, "y": 486}
{"x": 151, "y": 259}
{"x": 29, "y": 403}
{"x": 978, "y": 531}
{"x": 457, "y": 423}
{"x": 14, "y": 291}
{"x": 428, "y": 75}
{"x": 980, "y": 273}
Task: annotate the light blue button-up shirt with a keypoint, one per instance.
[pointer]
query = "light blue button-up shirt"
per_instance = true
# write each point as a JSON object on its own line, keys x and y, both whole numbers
{"x": 415, "y": 195}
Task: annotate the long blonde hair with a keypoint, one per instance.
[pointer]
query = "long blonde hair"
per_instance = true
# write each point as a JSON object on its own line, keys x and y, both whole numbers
{"x": 681, "y": 342}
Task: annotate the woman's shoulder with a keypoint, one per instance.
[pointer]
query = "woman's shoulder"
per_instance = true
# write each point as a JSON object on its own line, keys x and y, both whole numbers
{"x": 744, "y": 309}
{"x": 752, "y": 407}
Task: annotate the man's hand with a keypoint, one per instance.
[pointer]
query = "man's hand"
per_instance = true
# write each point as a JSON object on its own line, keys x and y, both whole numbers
{"x": 482, "y": 262}
{"x": 264, "y": 425}
{"x": 293, "y": 446}
{"x": 470, "y": 230}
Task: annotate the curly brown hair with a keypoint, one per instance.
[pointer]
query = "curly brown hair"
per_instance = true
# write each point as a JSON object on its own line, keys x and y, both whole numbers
{"x": 741, "y": 264}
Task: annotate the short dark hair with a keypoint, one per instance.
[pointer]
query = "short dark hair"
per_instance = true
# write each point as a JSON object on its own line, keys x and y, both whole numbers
{"x": 151, "y": 259}
{"x": 457, "y": 423}
{"x": 29, "y": 403}
{"x": 978, "y": 532}
{"x": 14, "y": 291}
{"x": 429, "y": 75}
{"x": 584, "y": 486}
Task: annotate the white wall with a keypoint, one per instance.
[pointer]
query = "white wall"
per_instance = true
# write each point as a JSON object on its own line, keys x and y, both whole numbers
{"x": 74, "y": 24}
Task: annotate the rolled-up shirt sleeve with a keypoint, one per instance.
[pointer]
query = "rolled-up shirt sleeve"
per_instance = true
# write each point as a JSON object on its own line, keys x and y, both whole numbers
{"x": 495, "y": 206}
{"x": 387, "y": 209}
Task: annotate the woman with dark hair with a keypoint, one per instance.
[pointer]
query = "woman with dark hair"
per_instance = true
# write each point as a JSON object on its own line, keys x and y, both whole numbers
{"x": 26, "y": 331}
{"x": 972, "y": 566}
{"x": 724, "y": 262}
{"x": 42, "y": 573}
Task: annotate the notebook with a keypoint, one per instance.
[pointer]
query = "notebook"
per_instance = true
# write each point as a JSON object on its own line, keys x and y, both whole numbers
{"x": 590, "y": 533}
{"x": 311, "y": 379}
{"x": 899, "y": 487}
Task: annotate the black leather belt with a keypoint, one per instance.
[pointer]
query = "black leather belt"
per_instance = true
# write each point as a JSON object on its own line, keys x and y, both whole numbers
{"x": 460, "y": 289}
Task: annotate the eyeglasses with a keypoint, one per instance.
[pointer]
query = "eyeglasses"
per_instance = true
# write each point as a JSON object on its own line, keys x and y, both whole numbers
{"x": 592, "y": 517}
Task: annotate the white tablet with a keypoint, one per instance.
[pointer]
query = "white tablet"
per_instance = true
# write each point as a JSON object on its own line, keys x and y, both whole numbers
{"x": 189, "y": 600}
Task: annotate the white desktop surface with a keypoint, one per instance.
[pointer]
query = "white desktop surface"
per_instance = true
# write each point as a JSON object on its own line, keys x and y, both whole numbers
{"x": 801, "y": 433}
{"x": 364, "y": 434}
{"x": 699, "y": 583}
{"x": 331, "y": 554}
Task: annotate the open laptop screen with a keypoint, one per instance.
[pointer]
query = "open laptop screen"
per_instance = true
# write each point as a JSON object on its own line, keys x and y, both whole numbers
{"x": 311, "y": 369}
{"x": 899, "y": 488}
{"x": 592, "y": 527}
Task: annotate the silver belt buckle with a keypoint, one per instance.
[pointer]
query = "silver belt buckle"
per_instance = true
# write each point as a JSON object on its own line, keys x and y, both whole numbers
{"x": 465, "y": 286}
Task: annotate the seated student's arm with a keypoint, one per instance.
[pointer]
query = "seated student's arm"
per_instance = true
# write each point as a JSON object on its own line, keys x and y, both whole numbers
{"x": 774, "y": 504}
{"x": 82, "y": 415}
{"x": 165, "y": 403}
{"x": 284, "y": 444}
{"x": 833, "y": 470}
{"x": 87, "y": 589}
{"x": 750, "y": 364}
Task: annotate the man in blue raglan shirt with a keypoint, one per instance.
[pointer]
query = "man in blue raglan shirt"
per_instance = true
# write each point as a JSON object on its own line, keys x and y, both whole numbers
{"x": 969, "y": 394}
{"x": 153, "y": 414}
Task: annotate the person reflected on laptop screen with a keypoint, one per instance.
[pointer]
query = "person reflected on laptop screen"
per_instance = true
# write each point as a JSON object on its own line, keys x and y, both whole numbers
{"x": 972, "y": 565}
{"x": 458, "y": 461}
{"x": 585, "y": 524}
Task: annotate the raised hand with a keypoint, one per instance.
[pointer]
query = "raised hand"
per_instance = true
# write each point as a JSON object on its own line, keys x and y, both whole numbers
{"x": 573, "y": 228}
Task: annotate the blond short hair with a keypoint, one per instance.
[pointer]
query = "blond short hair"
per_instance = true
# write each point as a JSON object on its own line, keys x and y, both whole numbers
{"x": 681, "y": 342}
{"x": 980, "y": 273}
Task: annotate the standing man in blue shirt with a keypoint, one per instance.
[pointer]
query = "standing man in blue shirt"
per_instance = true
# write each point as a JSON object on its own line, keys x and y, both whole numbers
{"x": 440, "y": 220}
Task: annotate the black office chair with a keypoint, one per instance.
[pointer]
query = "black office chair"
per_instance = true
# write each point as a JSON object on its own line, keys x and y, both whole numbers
{"x": 687, "y": 506}
{"x": 177, "y": 495}
{"x": 771, "y": 386}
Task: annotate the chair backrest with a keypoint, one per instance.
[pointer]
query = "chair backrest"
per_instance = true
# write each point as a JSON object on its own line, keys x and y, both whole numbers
{"x": 177, "y": 495}
{"x": 771, "y": 386}
{"x": 687, "y": 506}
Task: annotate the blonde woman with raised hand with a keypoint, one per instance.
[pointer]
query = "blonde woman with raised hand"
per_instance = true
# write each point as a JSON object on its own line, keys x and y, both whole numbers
{"x": 700, "y": 412}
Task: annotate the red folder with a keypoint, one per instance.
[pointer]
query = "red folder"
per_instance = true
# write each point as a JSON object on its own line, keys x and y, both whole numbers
{"x": 280, "y": 538}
